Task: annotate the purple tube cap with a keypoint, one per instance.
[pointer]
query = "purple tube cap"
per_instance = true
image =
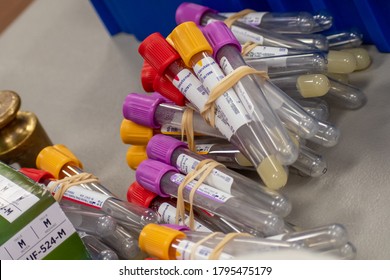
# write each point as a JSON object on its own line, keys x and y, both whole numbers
{"x": 140, "y": 108}
{"x": 219, "y": 35}
{"x": 191, "y": 12}
{"x": 149, "y": 174}
{"x": 161, "y": 147}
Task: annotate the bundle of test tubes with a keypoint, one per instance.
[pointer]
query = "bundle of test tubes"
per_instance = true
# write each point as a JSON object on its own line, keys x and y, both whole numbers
{"x": 257, "y": 89}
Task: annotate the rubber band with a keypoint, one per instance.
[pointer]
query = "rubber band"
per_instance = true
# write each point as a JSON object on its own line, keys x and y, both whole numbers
{"x": 208, "y": 112}
{"x": 203, "y": 169}
{"x": 247, "y": 47}
{"x": 200, "y": 242}
{"x": 187, "y": 128}
{"x": 67, "y": 182}
{"x": 214, "y": 255}
{"x": 230, "y": 20}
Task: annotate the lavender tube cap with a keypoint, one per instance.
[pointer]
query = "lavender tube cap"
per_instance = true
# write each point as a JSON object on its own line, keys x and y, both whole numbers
{"x": 219, "y": 35}
{"x": 149, "y": 174}
{"x": 191, "y": 12}
{"x": 140, "y": 108}
{"x": 161, "y": 147}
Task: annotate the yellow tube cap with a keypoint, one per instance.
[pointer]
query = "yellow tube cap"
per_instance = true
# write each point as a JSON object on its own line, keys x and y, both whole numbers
{"x": 53, "y": 159}
{"x": 157, "y": 240}
{"x": 189, "y": 40}
{"x": 135, "y": 134}
{"x": 341, "y": 62}
{"x": 313, "y": 85}
{"x": 135, "y": 155}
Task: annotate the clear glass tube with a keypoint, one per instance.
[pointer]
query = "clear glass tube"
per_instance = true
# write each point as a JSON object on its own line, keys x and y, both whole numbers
{"x": 172, "y": 115}
{"x": 128, "y": 213}
{"x": 316, "y": 107}
{"x": 344, "y": 95}
{"x": 327, "y": 136}
{"x": 97, "y": 249}
{"x": 308, "y": 85}
{"x": 346, "y": 39}
{"x": 124, "y": 243}
{"x": 298, "y": 22}
{"x": 245, "y": 32}
{"x": 182, "y": 245}
{"x": 244, "y": 137}
{"x": 233, "y": 183}
{"x": 309, "y": 163}
{"x": 341, "y": 62}
{"x": 293, "y": 116}
{"x": 96, "y": 223}
{"x": 229, "y": 207}
{"x": 252, "y": 96}
{"x": 318, "y": 40}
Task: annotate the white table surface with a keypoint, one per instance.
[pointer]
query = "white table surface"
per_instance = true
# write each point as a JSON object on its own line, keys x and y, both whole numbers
{"x": 67, "y": 69}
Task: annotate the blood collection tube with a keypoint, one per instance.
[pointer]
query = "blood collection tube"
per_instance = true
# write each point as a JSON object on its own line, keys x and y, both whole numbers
{"x": 307, "y": 86}
{"x": 227, "y": 52}
{"x": 166, "y": 243}
{"x": 96, "y": 248}
{"x": 340, "y": 62}
{"x": 176, "y": 153}
{"x": 261, "y": 132}
{"x": 287, "y": 22}
{"x": 345, "y": 95}
{"x": 322, "y": 238}
{"x": 166, "y": 207}
{"x": 345, "y": 39}
{"x": 316, "y": 107}
{"x": 61, "y": 162}
{"x": 148, "y": 74}
{"x": 309, "y": 163}
{"x": 155, "y": 113}
{"x": 248, "y": 89}
{"x": 164, "y": 180}
{"x": 160, "y": 54}
{"x": 202, "y": 16}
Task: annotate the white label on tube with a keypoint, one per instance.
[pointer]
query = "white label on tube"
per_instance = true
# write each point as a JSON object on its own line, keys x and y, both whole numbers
{"x": 277, "y": 237}
{"x": 168, "y": 215}
{"x": 251, "y": 18}
{"x": 205, "y": 191}
{"x": 243, "y": 35}
{"x": 40, "y": 237}
{"x": 216, "y": 178}
{"x": 265, "y": 51}
{"x": 239, "y": 88}
{"x": 81, "y": 195}
{"x": 203, "y": 149}
{"x": 231, "y": 114}
{"x": 14, "y": 200}
{"x": 184, "y": 248}
{"x": 189, "y": 85}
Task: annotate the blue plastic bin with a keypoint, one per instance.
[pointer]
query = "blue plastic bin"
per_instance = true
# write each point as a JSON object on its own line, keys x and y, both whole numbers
{"x": 141, "y": 18}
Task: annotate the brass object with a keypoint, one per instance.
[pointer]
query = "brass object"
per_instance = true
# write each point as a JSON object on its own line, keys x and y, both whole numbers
{"x": 21, "y": 135}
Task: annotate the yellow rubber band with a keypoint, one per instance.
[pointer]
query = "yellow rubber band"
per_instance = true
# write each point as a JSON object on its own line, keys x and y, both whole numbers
{"x": 230, "y": 20}
{"x": 214, "y": 255}
{"x": 200, "y": 242}
{"x": 67, "y": 182}
{"x": 247, "y": 47}
{"x": 203, "y": 169}
{"x": 208, "y": 112}
{"x": 187, "y": 128}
